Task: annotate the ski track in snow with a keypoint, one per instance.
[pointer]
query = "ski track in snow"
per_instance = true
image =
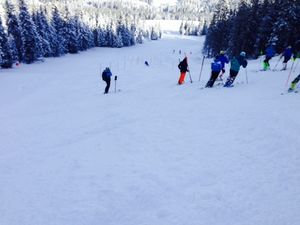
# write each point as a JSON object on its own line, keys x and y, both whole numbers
{"x": 154, "y": 153}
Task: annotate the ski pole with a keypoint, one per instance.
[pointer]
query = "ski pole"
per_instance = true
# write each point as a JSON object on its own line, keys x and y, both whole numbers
{"x": 296, "y": 66}
{"x": 201, "y": 68}
{"x": 287, "y": 81}
{"x": 277, "y": 63}
{"x": 246, "y": 75}
{"x": 116, "y": 78}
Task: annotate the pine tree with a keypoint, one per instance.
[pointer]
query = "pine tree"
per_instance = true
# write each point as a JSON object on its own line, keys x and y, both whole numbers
{"x": 13, "y": 28}
{"x": 13, "y": 49}
{"x": 268, "y": 16}
{"x": 6, "y": 56}
{"x": 30, "y": 37}
{"x": 239, "y": 32}
{"x": 109, "y": 34}
{"x": 57, "y": 25}
{"x": 102, "y": 34}
{"x": 44, "y": 32}
{"x": 124, "y": 32}
{"x": 154, "y": 35}
{"x": 181, "y": 29}
{"x": 133, "y": 34}
{"x": 139, "y": 38}
{"x": 69, "y": 33}
{"x": 117, "y": 40}
{"x": 218, "y": 32}
{"x": 286, "y": 29}
{"x": 204, "y": 28}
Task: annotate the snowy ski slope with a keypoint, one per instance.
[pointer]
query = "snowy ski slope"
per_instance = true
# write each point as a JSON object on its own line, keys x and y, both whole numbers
{"x": 154, "y": 153}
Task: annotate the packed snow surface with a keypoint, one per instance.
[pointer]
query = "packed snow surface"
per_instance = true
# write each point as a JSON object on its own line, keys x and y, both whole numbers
{"x": 153, "y": 153}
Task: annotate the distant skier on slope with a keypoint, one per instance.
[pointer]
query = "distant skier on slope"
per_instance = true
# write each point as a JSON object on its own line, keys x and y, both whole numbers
{"x": 235, "y": 65}
{"x": 295, "y": 56}
{"x": 223, "y": 59}
{"x": 287, "y": 54}
{"x": 294, "y": 83}
{"x": 183, "y": 67}
{"x": 106, "y": 76}
{"x": 216, "y": 67}
{"x": 296, "y": 50}
{"x": 270, "y": 52}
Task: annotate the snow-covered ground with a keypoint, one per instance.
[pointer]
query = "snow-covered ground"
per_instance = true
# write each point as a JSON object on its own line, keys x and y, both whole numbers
{"x": 154, "y": 153}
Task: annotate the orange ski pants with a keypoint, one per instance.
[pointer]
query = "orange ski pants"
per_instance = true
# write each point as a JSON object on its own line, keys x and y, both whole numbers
{"x": 181, "y": 78}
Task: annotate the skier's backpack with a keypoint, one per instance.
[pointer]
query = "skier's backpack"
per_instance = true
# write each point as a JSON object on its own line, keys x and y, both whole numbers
{"x": 104, "y": 75}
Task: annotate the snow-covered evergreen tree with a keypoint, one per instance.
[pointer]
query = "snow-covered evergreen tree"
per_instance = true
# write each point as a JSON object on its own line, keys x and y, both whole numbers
{"x": 13, "y": 49}
{"x": 218, "y": 32}
{"x": 43, "y": 30}
{"x": 31, "y": 43}
{"x": 102, "y": 34}
{"x": 124, "y": 32}
{"x": 57, "y": 25}
{"x": 117, "y": 40}
{"x": 6, "y": 56}
{"x": 133, "y": 31}
{"x": 286, "y": 29}
{"x": 154, "y": 34}
{"x": 139, "y": 38}
{"x": 69, "y": 33}
{"x": 13, "y": 28}
{"x": 256, "y": 24}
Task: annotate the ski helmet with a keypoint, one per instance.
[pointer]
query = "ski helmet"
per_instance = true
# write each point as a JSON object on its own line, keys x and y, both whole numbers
{"x": 243, "y": 54}
{"x": 222, "y": 52}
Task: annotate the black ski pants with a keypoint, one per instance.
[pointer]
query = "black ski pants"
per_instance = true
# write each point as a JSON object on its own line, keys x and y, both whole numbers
{"x": 231, "y": 78}
{"x": 267, "y": 59}
{"x": 107, "y": 81}
{"x": 296, "y": 80}
{"x": 213, "y": 77}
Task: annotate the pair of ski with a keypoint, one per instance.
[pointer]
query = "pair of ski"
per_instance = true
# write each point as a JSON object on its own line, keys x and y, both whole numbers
{"x": 221, "y": 85}
{"x": 289, "y": 91}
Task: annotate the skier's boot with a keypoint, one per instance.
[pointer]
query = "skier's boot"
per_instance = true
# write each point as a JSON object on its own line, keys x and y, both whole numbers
{"x": 266, "y": 66}
{"x": 292, "y": 87}
{"x": 284, "y": 66}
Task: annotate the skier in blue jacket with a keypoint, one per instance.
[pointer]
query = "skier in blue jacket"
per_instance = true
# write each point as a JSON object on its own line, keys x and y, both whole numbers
{"x": 235, "y": 65}
{"x": 106, "y": 76}
{"x": 270, "y": 52}
{"x": 223, "y": 59}
{"x": 216, "y": 67}
{"x": 287, "y": 54}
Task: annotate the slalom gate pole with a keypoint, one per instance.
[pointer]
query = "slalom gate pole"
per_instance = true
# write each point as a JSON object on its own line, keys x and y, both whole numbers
{"x": 116, "y": 78}
{"x": 190, "y": 77}
{"x": 201, "y": 68}
{"x": 287, "y": 81}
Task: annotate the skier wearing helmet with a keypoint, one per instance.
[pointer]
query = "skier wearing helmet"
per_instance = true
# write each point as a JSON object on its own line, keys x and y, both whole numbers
{"x": 235, "y": 65}
{"x": 222, "y": 58}
{"x": 287, "y": 54}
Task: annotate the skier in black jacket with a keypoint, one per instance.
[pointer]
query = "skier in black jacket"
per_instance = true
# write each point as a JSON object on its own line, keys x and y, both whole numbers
{"x": 183, "y": 67}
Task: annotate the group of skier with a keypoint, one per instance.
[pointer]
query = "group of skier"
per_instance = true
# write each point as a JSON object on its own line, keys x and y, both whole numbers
{"x": 218, "y": 69}
{"x": 288, "y": 54}
{"x": 218, "y": 65}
